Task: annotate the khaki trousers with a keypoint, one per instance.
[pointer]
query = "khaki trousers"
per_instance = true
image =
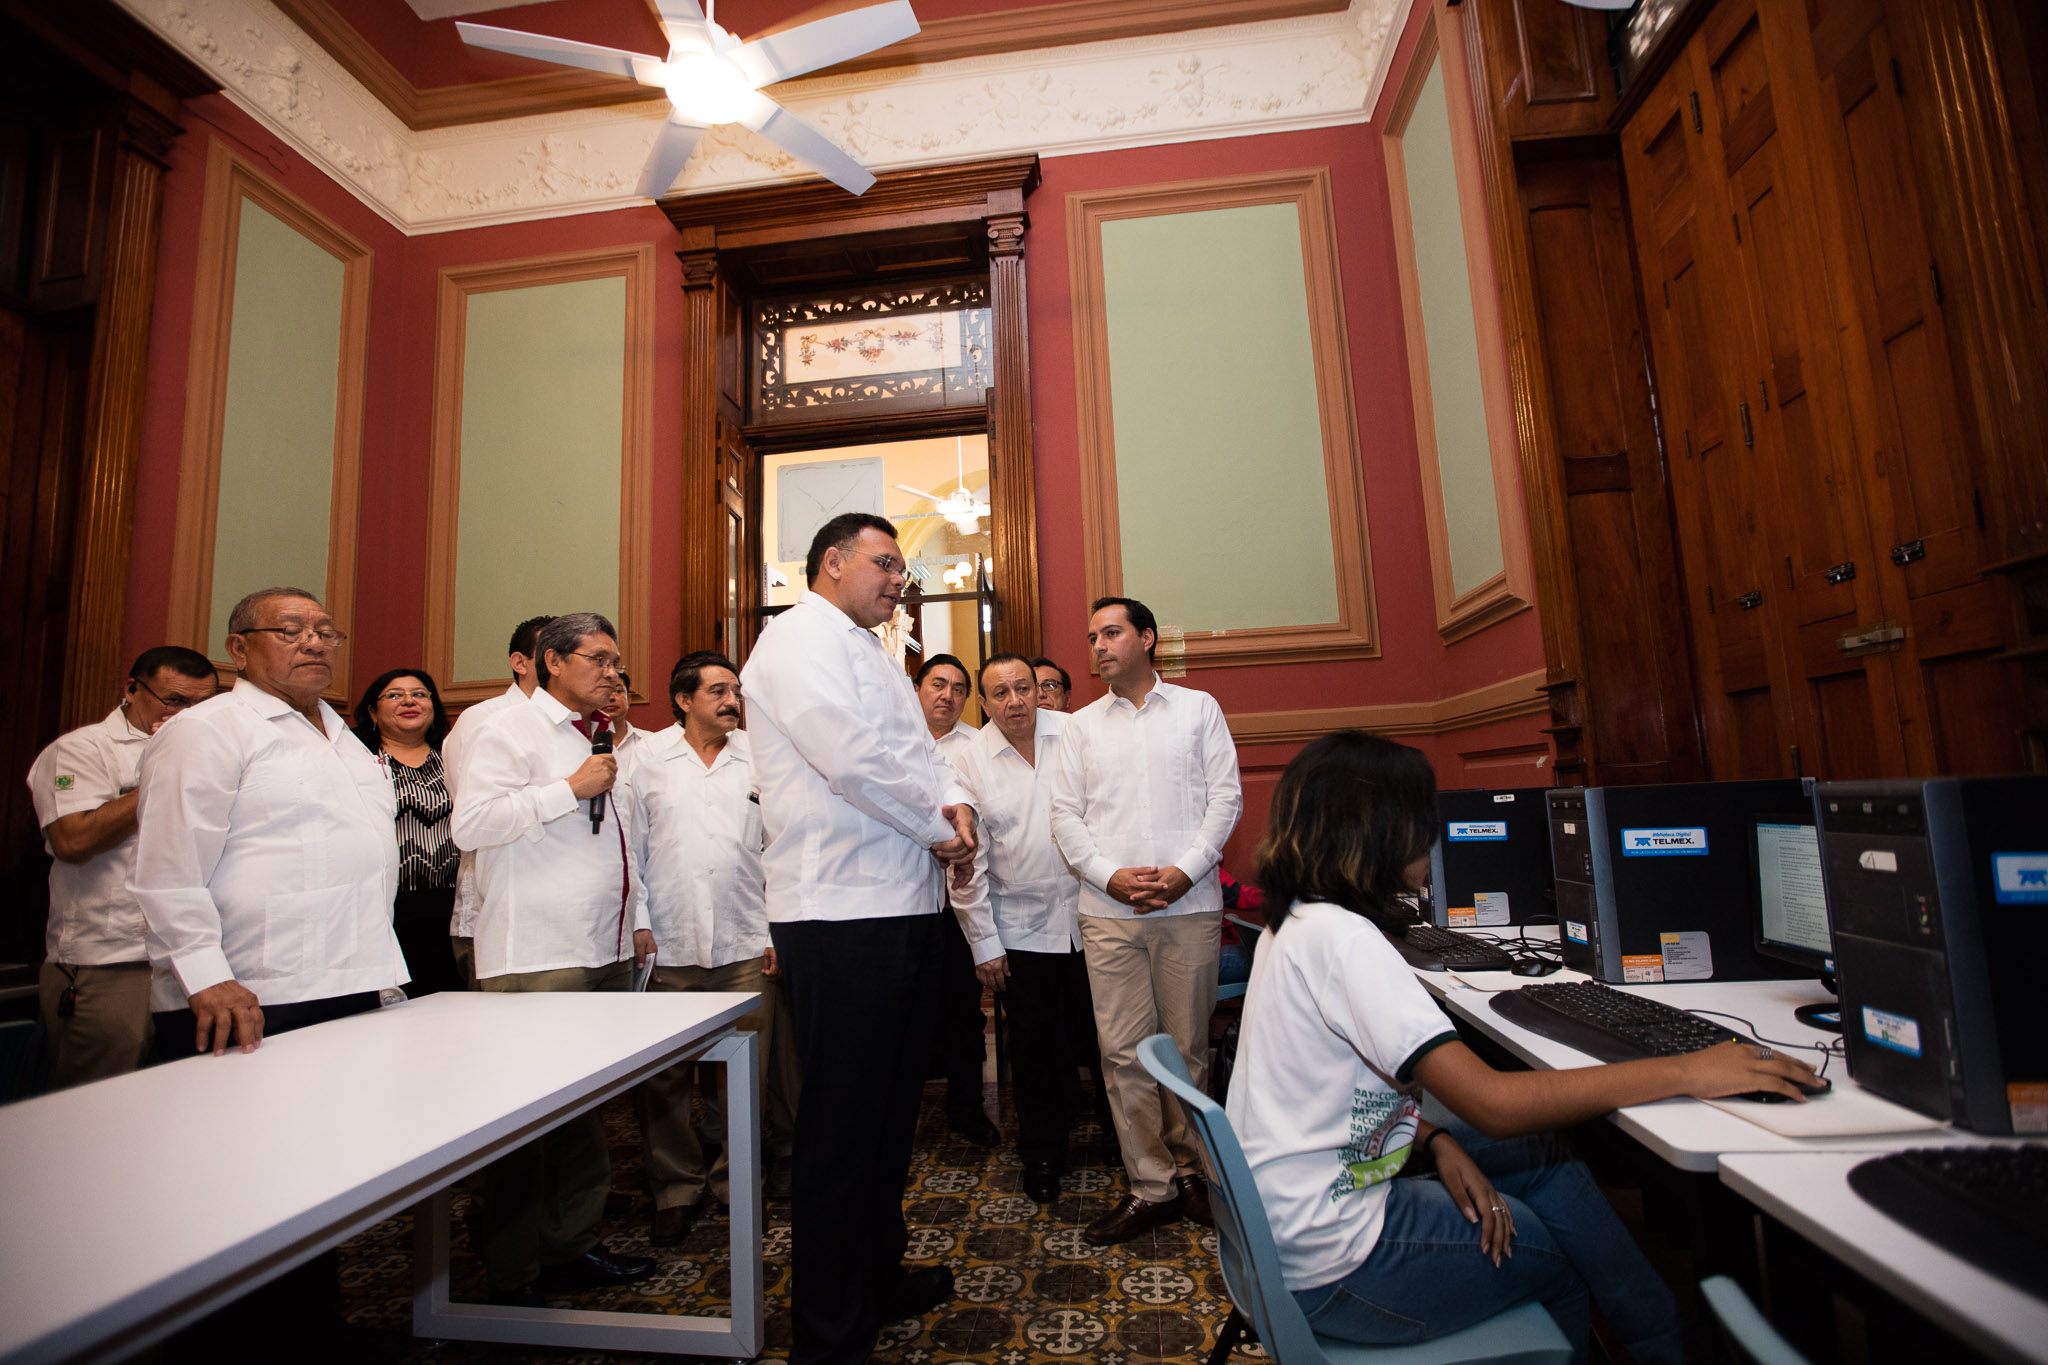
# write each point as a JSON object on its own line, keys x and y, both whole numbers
{"x": 109, "y": 1032}
{"x": 1152, "y": 974}
{"x": 673, "y": 1150}
{"x": 465, "y": 959}
{"x": 543, "y": 1201}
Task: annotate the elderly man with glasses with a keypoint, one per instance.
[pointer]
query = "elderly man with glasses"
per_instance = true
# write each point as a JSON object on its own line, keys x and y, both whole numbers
{"x": 860, "y": 812}
{"x": 265, "y": 860}
{"x": 563, "y": 908}
{"x": 95, "y": 977}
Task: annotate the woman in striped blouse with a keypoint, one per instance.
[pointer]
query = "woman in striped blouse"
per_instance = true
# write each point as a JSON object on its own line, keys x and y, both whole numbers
{"x": 400, "y": 719}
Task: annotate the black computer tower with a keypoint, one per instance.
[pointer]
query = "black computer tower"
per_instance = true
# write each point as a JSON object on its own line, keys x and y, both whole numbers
{"x": 1938, "y": 895}
{"x": 1490, "y": 866}
{"x": 1653, "y": 882}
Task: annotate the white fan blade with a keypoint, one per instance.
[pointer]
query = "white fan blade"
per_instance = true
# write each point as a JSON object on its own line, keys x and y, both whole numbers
{"x": 904, "y": 487}
{"x": 567, "y": 52}
{"x": 672, "y": 148}
{"x": 806, "y": 144}
{"x": 825, "y": 42}
{"x": 681, "y": 17}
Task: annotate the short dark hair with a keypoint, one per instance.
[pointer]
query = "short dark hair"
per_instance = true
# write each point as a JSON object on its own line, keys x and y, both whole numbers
{"x": 688, "y": 675}
{"x": 1003, "y": 657}
{"x": 366, "y": 710}
{"x": 186, "y": 663}
{"x": 1140, "y": 615}
{"x": 243, "y": 617}
{"x": 562, "y": 633}
{"x": 842, "y": 531}
{"x": 1042, "y": 662}
{"x": 626, "y": 681}
{"x": 935, "y": 661}
{"x": 525, "y": 633}
{"x": 1349, "y": 815}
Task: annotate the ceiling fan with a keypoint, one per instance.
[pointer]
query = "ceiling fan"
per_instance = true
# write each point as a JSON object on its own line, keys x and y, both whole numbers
{"x": 711, "y": 77}
{"x": 960, "y": 506}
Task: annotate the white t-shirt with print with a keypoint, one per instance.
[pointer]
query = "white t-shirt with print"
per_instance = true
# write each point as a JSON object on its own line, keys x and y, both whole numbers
{"x": 1322, "y": 1133}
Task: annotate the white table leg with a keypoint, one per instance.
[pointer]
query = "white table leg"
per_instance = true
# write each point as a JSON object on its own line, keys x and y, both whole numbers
{"x": 434, "y": 1314}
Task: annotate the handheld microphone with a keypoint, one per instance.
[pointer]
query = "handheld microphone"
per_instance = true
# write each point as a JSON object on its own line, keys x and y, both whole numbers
{"x": 600, "y": 743}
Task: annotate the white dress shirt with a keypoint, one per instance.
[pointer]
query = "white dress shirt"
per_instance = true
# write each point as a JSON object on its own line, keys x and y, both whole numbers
{"x": 953, "y": 741}
{"x": 462, "y": 924}
{"x": 94, "y": 919}
{"x": 267, "y": 852}
{"x": 706, "y": 892}
{"x": 555, "y": 894}
{"x": 1148, "y": 786}
{"x": 1023, "y": 895}
{"x": 851, "y": 782}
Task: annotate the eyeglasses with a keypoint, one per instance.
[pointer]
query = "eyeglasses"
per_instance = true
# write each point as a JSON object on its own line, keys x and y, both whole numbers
{"x": 606, "y": 663}
{"x": 298, "y": 635}
{"x": 174, "y": 702}
{"x": 888, "y": 564}
{"x": 1052, "y": 685}
{"x": 396, "y": 695}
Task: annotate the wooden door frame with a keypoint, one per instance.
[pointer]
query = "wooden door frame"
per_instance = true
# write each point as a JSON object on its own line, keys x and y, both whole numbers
{"x": 735, "y": 242}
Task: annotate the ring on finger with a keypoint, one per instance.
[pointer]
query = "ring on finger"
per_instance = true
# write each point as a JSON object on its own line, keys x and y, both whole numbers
{"x": 1764, "y": 1053}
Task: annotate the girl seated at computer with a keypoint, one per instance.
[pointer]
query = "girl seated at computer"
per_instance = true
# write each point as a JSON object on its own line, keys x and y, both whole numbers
{"x": 1338, "y": 1036}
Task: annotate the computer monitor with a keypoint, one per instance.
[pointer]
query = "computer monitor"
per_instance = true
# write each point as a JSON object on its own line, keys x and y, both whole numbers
{"x": 1789, "y": 904}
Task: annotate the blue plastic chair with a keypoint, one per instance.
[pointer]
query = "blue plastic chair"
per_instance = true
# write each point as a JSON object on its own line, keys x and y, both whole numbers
{"x": 1524, "y": 1335}
{"x": 1248, "y": 933}
{"x": 1750, "y": 1337}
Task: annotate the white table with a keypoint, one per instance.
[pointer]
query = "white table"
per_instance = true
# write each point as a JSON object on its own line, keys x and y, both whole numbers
{"x": 1810, "y": 1194}
{"x": 1687, "y": 1133}
{"x": 135, "y": 1206}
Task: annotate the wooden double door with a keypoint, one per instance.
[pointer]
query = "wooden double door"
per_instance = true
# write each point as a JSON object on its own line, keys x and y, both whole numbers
{"x": 1828, "y": 494}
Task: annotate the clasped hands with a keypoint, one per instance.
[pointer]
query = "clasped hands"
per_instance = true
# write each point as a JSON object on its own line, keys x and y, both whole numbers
{"x": 1146, "y": 889}
{"x": 957, "y": 853}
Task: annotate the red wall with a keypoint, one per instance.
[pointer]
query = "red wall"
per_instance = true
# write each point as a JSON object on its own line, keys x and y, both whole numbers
{"x": 1415, "y": 664}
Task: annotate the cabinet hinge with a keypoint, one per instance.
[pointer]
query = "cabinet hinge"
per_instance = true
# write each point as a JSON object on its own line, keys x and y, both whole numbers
{"x": 1791, "y": 579}
{"x": 1840, "y": 573}
{"x": 1667, "y": 293}
{"x": 1737, "y": 221}
{"x": 1748, "y": 435}
{"x": 1935, "y": 272}
{"x": 1750, "y": 600}
{"x": 1693, "y": 96}
{"x": 1908, "y": 551}
{"x": 1898, "y": 81}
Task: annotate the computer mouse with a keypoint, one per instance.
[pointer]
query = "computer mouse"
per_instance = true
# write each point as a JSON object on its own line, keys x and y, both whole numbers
{"x": 1773, "y": 1097}
{"x": 1534, "y": 966}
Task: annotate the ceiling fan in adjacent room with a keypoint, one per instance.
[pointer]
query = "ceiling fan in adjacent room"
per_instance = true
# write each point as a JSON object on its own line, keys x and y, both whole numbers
{"x": 960, "y": 506}
{"x": 711, "y": 77}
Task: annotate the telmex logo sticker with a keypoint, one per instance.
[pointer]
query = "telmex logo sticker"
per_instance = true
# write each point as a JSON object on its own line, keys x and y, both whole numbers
{"x": 1663, "y": 843}
{"x": 2020, "y": 878}
{"x": 1468, "y": 831}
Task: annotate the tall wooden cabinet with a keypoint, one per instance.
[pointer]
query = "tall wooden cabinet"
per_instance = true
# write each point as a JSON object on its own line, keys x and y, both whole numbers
{"x": 1835, "y": 209}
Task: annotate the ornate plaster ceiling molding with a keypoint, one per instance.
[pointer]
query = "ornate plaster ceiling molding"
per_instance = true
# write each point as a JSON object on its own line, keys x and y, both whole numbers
{"x": 1310, "y": 72}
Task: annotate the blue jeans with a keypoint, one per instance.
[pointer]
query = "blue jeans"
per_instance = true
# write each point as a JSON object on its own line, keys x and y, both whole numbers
{"x": 1427, "y": 1277}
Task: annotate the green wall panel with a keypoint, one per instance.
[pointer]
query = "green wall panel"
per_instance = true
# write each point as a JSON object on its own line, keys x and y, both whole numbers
{"x": 543, "y": 385}
{"x": 1444, "y": 278}
{"x": 1221, "y": 488}
{"x": 277, "y": 431}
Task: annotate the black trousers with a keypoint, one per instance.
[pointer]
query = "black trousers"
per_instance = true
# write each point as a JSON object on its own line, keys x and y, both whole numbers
{"x": 959, "y": 1034}
{"x": 861, "y": 995}
{"x": 420, "y": 919}
{"x": 1051, "y": 1018}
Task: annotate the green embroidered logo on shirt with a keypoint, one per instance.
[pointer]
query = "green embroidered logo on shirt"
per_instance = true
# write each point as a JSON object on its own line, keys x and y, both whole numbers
{"x": 1382, "y": 1140}
{"x": 65, "y": 782}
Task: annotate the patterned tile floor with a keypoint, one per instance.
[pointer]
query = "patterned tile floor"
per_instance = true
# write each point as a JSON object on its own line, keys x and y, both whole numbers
{"x": 1028, "y": 1288}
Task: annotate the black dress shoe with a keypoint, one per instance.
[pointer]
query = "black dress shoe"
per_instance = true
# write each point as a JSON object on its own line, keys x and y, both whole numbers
{"x": 975, "y": 1128}
{"x": 780, "y": 1179}
{"x": 1194, "y": 1196}
{"x": 595, "y": 1269}
{"x": 672, "y": 1225}
{"x": 920, "y": 1292}
{"x": 1041, "y": 1181}
{"x": 1130, "y": 1218}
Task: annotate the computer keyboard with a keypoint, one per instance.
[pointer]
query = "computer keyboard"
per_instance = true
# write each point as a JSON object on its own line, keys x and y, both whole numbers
{"x": 1988, "y": 1205}
{"x": 1609, "y": 1024}
{"x": 1435, "y": 949}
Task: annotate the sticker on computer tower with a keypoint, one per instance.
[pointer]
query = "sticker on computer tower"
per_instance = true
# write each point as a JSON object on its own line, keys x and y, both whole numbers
{"x": 2020, "y": 878}
{"x": 1575, "y": 931}
{"x": 1642, "y": 968}
{"x": 1894, "y": 1031}
{"x": 1479, "y": 831}
{"x": 2029, "y": 1102}
{"x": 1490, "y": 907}
{"x": 1503, "y": 798}
{"x": 1687, "y": 956}
{"x": 1664, "y": 843}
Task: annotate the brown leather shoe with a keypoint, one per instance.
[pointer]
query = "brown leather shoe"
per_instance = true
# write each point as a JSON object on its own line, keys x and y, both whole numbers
{"x": 1194, "y": 1196}
{"x": 672, "y": 1225}
{"x": 1130, "y": 1218}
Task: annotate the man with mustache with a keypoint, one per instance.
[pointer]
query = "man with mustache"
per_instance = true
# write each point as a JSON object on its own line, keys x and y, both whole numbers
{"x": 707, "y": 902}
{"x": 860, "y": 812}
